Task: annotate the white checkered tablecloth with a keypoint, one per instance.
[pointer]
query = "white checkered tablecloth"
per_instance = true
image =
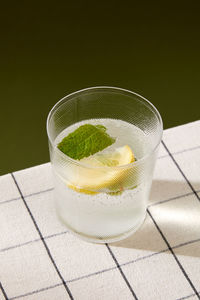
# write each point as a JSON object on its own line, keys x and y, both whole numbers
{"x": 40, "y": 259}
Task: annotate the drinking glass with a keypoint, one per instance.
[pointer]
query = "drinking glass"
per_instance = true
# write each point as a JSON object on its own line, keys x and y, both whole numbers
{"x": 116, "y": 210}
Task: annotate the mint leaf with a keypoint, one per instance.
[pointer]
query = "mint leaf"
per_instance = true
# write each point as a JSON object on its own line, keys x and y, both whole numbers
{"x": 85, "y": 141}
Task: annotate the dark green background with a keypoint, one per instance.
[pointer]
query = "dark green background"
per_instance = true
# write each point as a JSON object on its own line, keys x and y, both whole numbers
{"x": 53, "y": 48}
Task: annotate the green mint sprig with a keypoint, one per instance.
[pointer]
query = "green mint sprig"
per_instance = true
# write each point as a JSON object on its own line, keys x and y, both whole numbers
{"x": 86, "y": 140}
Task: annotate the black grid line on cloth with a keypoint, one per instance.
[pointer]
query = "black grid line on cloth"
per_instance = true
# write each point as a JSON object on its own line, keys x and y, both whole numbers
{"x": 19, "y": 245}
{"x": 143, "y": 257}
{"x": 64, "y": 232}
{"x": 106, "y": 270}
{"x": 153, "y": 204}
{"x": 186, "y": 297}
{"x": 91, "y": 274}
{"x": 37, "y": 291}
{"x": 121, "y": 272}
{"x": 29, "y": 195}
{"x": 173, "y": 198}
{"x": 3, "y": 291}
{"x": 180, "y": 152}
{"x": 186, "y": 150}
{"x": 40, "y": 192}
{"x": 180, "y": 170}
{"x": 10, "y": 200}
{"x": 52, "y": 188}
{"x": 59, "y": 284}
{"x": 186, "y": 243}
{"x": 174, "y": 255}
{"x": 43, "y": 241}
{"x": 33, "y": 241}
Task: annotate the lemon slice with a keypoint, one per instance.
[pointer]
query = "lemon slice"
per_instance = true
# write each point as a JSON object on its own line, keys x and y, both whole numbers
{"x": 121, "y": 156}
{"x": 89, "y": 179}
{"x": 79, "y": 190}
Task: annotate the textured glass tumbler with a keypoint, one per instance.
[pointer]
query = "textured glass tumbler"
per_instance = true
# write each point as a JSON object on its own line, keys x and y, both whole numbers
{"x": 116, "y": 206}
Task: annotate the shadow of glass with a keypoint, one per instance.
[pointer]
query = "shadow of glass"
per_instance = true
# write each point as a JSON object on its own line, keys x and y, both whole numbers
{"x": 178, "y": 219}
{"x": 162, "y": 190}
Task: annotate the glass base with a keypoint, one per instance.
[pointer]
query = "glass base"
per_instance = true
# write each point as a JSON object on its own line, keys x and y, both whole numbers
{"x": 102, "y": 240}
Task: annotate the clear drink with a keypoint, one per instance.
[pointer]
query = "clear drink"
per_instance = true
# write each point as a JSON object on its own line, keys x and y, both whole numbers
{"x": 115, "y": 206}
{"x": 105, "y": 214}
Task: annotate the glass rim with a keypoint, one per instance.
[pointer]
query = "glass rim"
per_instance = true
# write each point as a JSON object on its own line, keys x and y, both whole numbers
{"x": 114, "y": 168}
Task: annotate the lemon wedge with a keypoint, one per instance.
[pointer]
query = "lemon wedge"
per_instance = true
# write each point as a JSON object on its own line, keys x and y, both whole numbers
{"x": 79, "y": 190}
{"x": 90, "y": 180}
